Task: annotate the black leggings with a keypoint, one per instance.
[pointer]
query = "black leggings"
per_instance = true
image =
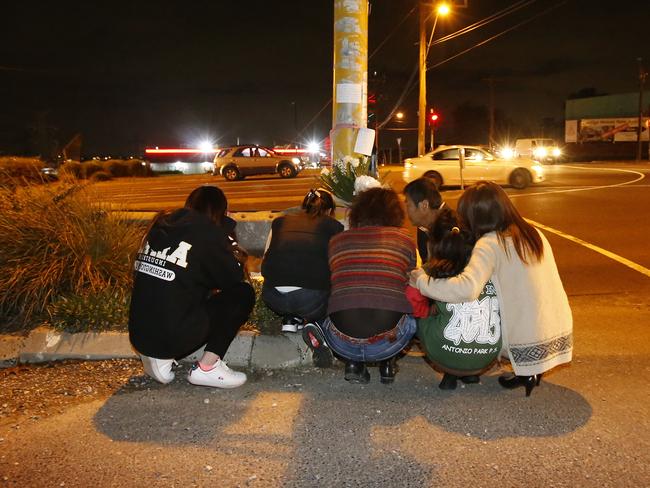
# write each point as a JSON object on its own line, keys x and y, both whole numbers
{"x": 365, "y": 322}
{"x": 228, "y": 310}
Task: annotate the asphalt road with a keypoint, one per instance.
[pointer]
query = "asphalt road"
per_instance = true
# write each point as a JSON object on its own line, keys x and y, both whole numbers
{"x": 587, "y": 425}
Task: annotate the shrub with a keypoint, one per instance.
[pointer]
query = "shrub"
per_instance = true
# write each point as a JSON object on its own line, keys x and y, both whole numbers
{"x": 56, "y": 243}
{"x": 89, "y": 168}
{"x": 116, "y": 167}
{"x": 71, "y": 169}
{"x": 101, "y": 176}
{"x": 106, "y": 309}
{"x": 16, "y": 171}
{"x": 138, "y": 167}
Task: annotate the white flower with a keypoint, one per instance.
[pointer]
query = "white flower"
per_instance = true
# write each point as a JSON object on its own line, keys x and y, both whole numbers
{"x": 350, "y": 160}
{"x": 325, "y": 171}
{"x": 340, "y": 164}
{"x": 363, "y": 183}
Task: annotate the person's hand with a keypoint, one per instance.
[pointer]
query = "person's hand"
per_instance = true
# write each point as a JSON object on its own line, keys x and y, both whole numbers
{"x": 240, "y": 254}
{"x": 414, "y": 275}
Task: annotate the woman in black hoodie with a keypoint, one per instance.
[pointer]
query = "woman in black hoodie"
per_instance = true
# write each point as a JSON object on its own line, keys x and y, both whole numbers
{"x": 189, "y": 291}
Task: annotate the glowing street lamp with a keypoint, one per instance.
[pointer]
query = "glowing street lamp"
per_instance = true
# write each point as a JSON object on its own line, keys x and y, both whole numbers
{"x": 441, "y": 10}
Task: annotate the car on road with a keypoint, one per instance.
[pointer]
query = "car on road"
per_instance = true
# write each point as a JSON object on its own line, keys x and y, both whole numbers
{"x": 237, "y": 162}
{"x": 543, "y": 150}
{"x": 443, "y": 166}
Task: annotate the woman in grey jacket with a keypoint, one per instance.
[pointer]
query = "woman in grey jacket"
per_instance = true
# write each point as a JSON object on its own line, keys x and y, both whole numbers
{"x": 536, "y": 320}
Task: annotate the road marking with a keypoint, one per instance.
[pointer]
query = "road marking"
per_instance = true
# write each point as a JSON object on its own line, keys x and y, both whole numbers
{"x": 626, "y": 262}
{"x": 604, "y": 252}
{"x": 598, "y": 187}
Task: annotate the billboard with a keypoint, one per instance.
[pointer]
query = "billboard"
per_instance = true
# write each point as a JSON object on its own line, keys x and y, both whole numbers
{"x": 605, "y": 130}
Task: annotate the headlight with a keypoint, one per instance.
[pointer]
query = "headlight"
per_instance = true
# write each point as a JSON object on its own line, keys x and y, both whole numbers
{"x": 540, "y": 152}
{"x": 407, "y": 164}
{"x": 295, "y": 160}
{"x": 557, "y": 152}
{"x": 537, "y": 169}
{"x": 507, "y": 153}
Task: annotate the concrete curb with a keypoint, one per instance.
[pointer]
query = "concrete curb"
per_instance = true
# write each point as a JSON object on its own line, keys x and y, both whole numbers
{"x": 248, "y": 350}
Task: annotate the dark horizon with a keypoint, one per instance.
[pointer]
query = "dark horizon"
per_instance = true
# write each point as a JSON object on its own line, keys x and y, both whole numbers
{"x": 132, "y": 74}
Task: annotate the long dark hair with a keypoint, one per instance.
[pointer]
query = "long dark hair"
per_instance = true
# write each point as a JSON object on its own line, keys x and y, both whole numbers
{"x": 318, "y": 202}
{"x": 485, "y": 207}
{"x": 207, "y": 200}
{"x": 450, "y": 245}
{"x": 210, "y": 201}
{"x": 377, "y": 207}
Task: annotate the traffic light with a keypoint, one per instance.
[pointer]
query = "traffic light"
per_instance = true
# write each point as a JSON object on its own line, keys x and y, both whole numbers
{"x": 433, "y": 118}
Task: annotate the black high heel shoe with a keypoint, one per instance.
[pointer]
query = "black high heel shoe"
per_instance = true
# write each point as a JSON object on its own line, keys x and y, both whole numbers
{"x": 449, "y": 382}
{"x": 528, "y": 382}
{"x": 387, "y": 370}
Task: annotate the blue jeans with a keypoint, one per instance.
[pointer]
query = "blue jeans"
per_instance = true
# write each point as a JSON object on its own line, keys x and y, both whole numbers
{"x": 377, "y": 348}
{"x": 305, "y": 303}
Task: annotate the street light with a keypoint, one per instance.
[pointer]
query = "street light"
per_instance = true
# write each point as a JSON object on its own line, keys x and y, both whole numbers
{"x": 442, "y": 9}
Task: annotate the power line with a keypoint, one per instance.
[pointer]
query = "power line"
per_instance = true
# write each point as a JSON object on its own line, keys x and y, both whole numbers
{"x": 539, "y": 14}
{"x": 381, "y": 44}
{"x": 391, "y": 33}
{"x": 491, "y": 18}
{"x": 410, "y": 83}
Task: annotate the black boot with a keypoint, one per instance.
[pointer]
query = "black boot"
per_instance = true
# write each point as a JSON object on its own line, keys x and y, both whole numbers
{"x": 356, "y": 372}
{"x": 387, "y": 370}
{"x": 449, "y": 382}
{"x": 471, "y": 379}
{"x": 528, "y": 382}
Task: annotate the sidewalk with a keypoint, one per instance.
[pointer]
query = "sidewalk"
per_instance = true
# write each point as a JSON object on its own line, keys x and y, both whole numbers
{"x": 248, "y": 350}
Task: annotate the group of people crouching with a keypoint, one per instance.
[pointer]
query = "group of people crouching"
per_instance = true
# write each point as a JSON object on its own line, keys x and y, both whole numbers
{"x": 488, "y": 286}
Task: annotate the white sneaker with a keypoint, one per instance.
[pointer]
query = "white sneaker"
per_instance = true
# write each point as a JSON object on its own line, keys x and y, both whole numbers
{"x": 220, "y": 376}
{"x": 159, "y": 369}
{"x": 292, "y": 324}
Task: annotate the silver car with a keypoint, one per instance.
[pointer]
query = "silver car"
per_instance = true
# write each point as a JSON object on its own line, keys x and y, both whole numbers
{"x": 237, "y": 162}
{"x": 443, "y": 166}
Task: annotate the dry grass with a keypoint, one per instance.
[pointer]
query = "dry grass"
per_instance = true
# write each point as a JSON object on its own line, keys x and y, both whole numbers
{"x": 56, "y": 241}
{"x": 19, "y": 171}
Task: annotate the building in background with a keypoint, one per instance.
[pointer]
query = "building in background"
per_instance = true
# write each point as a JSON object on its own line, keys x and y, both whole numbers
{"x": 183, "y": 160}
{"x": 605, "y": 127}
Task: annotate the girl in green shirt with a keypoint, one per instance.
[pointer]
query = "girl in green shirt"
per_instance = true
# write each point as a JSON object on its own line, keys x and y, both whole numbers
{"x": 461, "y": 339}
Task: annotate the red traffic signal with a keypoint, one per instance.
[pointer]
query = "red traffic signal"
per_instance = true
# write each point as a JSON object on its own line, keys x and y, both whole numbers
{"x": 433, "y": 118}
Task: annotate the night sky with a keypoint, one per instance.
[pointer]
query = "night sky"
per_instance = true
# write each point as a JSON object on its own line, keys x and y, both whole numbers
{"x": 130, "y": 74}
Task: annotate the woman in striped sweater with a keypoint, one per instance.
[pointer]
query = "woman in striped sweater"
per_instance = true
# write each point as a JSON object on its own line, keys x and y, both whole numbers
{"x": 368, "y": 311}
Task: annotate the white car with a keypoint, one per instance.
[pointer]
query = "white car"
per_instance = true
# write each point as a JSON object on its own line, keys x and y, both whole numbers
{"x": 443, "y": 167}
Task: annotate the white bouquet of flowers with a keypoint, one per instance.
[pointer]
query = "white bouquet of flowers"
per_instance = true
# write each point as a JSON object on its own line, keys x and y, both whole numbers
{"x": 348, "y": 177}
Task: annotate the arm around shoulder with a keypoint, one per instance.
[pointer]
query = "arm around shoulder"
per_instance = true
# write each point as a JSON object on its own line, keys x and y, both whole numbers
{"x": 466, "y": 286}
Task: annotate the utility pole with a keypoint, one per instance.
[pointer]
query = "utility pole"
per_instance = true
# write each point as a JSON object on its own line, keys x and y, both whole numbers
{"x": 422, "y": 100}
{"x": 424, "y": 12}
{"x": 350, "y": 90}
{"x": 642, "y": 76}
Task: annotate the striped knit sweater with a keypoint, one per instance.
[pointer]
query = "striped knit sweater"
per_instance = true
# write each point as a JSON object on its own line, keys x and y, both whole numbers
{"x": 370, "y": 268}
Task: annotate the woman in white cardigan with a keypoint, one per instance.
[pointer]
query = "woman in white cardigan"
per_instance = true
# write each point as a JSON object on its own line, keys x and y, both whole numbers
{"x": 536, "y": 320}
